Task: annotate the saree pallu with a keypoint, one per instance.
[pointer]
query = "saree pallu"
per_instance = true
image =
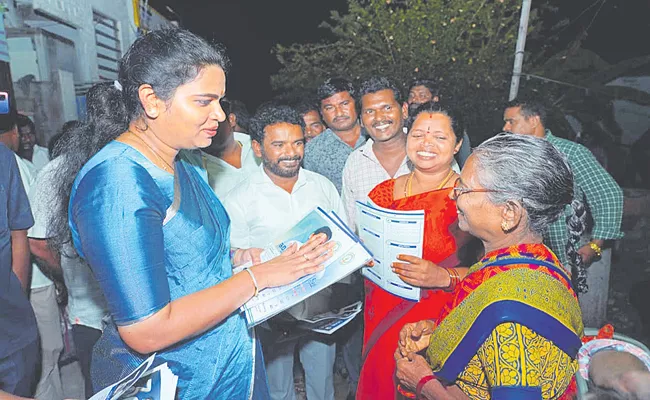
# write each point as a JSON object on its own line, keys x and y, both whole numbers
{"x": 512, "y": 328}
{"x": 384, "y": 313}
{"x": 151, "y": 238}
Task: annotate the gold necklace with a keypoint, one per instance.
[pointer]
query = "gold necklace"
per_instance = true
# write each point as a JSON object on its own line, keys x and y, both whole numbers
{"x": 166, "y": 166}
{"x": 409, "y": 182}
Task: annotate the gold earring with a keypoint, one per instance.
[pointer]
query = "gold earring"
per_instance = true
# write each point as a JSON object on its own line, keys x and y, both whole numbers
{"x": 504, "y": 226}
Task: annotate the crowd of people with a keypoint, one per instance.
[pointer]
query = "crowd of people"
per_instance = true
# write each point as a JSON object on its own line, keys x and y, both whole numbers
{"x": 145, "y": 208}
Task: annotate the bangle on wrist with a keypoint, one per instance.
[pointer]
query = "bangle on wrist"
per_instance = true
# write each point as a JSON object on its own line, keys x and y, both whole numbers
{"x": 454, "y": 278}
{"x": 596, "y": 249}
{"x": 257, "y": 288}
{"x": 420, "y": 386}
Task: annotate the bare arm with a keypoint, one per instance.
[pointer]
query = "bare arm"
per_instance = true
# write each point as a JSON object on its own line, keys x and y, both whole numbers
{"x": 195, "y": 313}
{"x": 20, "y": 258}
{"x": 48, "y": 260}
{"x": 6, "y": 396}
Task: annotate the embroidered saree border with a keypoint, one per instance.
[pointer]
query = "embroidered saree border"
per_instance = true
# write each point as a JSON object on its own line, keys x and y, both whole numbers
{"x": 521, "y": 293}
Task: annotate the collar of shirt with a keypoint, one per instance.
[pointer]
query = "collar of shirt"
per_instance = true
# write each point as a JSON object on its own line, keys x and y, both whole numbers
{"x": 262, "y": 178}
{"x": 367, "y": 151}
{"x": 247, "y": 155}
{"x": 360, "y": 141}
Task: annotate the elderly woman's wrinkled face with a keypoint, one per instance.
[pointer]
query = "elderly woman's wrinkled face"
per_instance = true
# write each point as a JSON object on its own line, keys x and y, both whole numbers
{"x": 431, "y": 142}
{"x": 476, "y": 214}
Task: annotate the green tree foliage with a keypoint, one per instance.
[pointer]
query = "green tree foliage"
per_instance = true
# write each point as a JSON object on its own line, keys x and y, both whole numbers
{"x": 466, "y": 45}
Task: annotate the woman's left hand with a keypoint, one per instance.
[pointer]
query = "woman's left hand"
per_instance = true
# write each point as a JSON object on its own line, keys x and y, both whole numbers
{"x": 420, "y": 272}
{"x": 411, "y": 369}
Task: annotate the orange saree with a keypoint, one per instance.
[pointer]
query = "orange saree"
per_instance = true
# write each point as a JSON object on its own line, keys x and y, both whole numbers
{"x": 385, "y": 314}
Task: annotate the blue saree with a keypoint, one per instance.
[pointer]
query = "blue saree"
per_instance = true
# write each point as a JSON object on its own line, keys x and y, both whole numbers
{"x": 150, "y": 238}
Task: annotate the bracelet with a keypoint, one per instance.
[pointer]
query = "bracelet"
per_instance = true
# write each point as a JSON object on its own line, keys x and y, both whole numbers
{"x": 596, "y": 249}
{"x": 257, "y": 290}
{"x": 420, "y": 386}
{"x": 454, "y": 279}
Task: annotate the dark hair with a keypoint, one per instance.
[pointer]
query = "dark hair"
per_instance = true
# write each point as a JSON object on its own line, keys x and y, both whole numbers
{"x": 240, "y": 110}
{"x": 427, "y": 83}
{"x": 226, "y": 106}
{"x": 23, "y": 120}
{"x": 435, "y": 107}
{"x": 273, "y": 114}
{"x": 333, "y": 86}
{"x": 164, "y": 59}
{"x": 529, "y": 108}
{"x": 55, "y": 146}
{"x": 306, "y": 105}
{"x": 375, "y": 84}
{"x": 8, "y": 121}
{"x": 533, "y": 172}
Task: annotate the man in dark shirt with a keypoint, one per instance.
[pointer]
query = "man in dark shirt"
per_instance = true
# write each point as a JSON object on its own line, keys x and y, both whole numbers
{"x": 18, "y": 333}
{"x": 327, "y": 153}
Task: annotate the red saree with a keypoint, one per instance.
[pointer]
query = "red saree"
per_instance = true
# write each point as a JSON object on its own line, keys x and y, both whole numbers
{"x": 385, "y": 314}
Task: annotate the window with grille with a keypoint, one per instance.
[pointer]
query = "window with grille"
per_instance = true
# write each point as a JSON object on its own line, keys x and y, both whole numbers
{"x": 109, "y": 48}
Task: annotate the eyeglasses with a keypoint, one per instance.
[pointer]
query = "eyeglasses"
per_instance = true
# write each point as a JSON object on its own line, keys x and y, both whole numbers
{"x": 458, "y": 191}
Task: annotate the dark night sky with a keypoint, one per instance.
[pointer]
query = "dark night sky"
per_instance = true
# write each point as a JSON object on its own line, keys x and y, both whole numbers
{"x": 250, "y": 28}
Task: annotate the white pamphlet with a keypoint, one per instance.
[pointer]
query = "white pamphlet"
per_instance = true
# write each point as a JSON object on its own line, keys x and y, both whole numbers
{"x": 387, "y": 233}
{"x": 349, "y": 255}
{"x": 144, "y": 383}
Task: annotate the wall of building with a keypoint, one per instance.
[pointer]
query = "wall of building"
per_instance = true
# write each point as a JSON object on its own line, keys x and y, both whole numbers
{"x": 60, "y": 48}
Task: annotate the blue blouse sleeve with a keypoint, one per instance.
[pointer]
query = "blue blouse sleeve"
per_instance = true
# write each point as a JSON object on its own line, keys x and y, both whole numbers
{"x": 116, "y": 214}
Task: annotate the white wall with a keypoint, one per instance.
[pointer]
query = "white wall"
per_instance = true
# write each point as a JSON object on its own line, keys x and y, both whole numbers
{"x": 79, "y": 15}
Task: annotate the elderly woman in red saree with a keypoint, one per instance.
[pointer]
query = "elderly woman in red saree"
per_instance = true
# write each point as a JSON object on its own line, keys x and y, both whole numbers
{"x": 434, "y": 137}
{"x": 512, "y": 327}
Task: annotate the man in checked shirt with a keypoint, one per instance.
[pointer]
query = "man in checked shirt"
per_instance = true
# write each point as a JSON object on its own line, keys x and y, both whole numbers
{"x": 596, "y": 188}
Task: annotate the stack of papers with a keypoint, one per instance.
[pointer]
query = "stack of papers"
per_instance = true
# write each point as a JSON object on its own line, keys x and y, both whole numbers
{"x": 330, "y": 322}
{"x": 349, "y": 255}
{"x": 387, "y": 233}
{"x": 144, "y": 383}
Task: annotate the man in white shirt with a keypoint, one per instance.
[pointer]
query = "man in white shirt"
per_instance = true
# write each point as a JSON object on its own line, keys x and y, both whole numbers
{"x": 229, "y": 159}
{"x": 29, "y": 148}
{"x": 271, "y": 201}
{"x": 383, "y": 156}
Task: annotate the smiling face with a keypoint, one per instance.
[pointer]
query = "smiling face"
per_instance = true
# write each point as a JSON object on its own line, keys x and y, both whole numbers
{"x": 313, "y": 124}
{"x": 431, "y": 142}
{"x": 191, "y": 118}
{"x": 476, "y": 214}
{"x": 339, "y": 112}
{"x": 382, "y": 115}
{"x": 282, "y": 149}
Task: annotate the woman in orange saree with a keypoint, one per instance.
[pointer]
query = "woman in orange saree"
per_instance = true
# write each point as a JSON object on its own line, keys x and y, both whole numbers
{"x": 433, "y": 139}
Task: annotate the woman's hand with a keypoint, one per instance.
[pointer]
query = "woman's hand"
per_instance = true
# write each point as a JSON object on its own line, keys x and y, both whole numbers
{"x": 242, "y": 256}
{"x": 413, "y": 338}
{"x": 294, "y": 263}
{"x": 410, "y": 370}
{"x": 421, "y": 273}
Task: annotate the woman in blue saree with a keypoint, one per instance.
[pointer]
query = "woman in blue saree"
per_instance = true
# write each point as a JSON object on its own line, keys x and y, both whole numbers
{"x": 155, "y": 235}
